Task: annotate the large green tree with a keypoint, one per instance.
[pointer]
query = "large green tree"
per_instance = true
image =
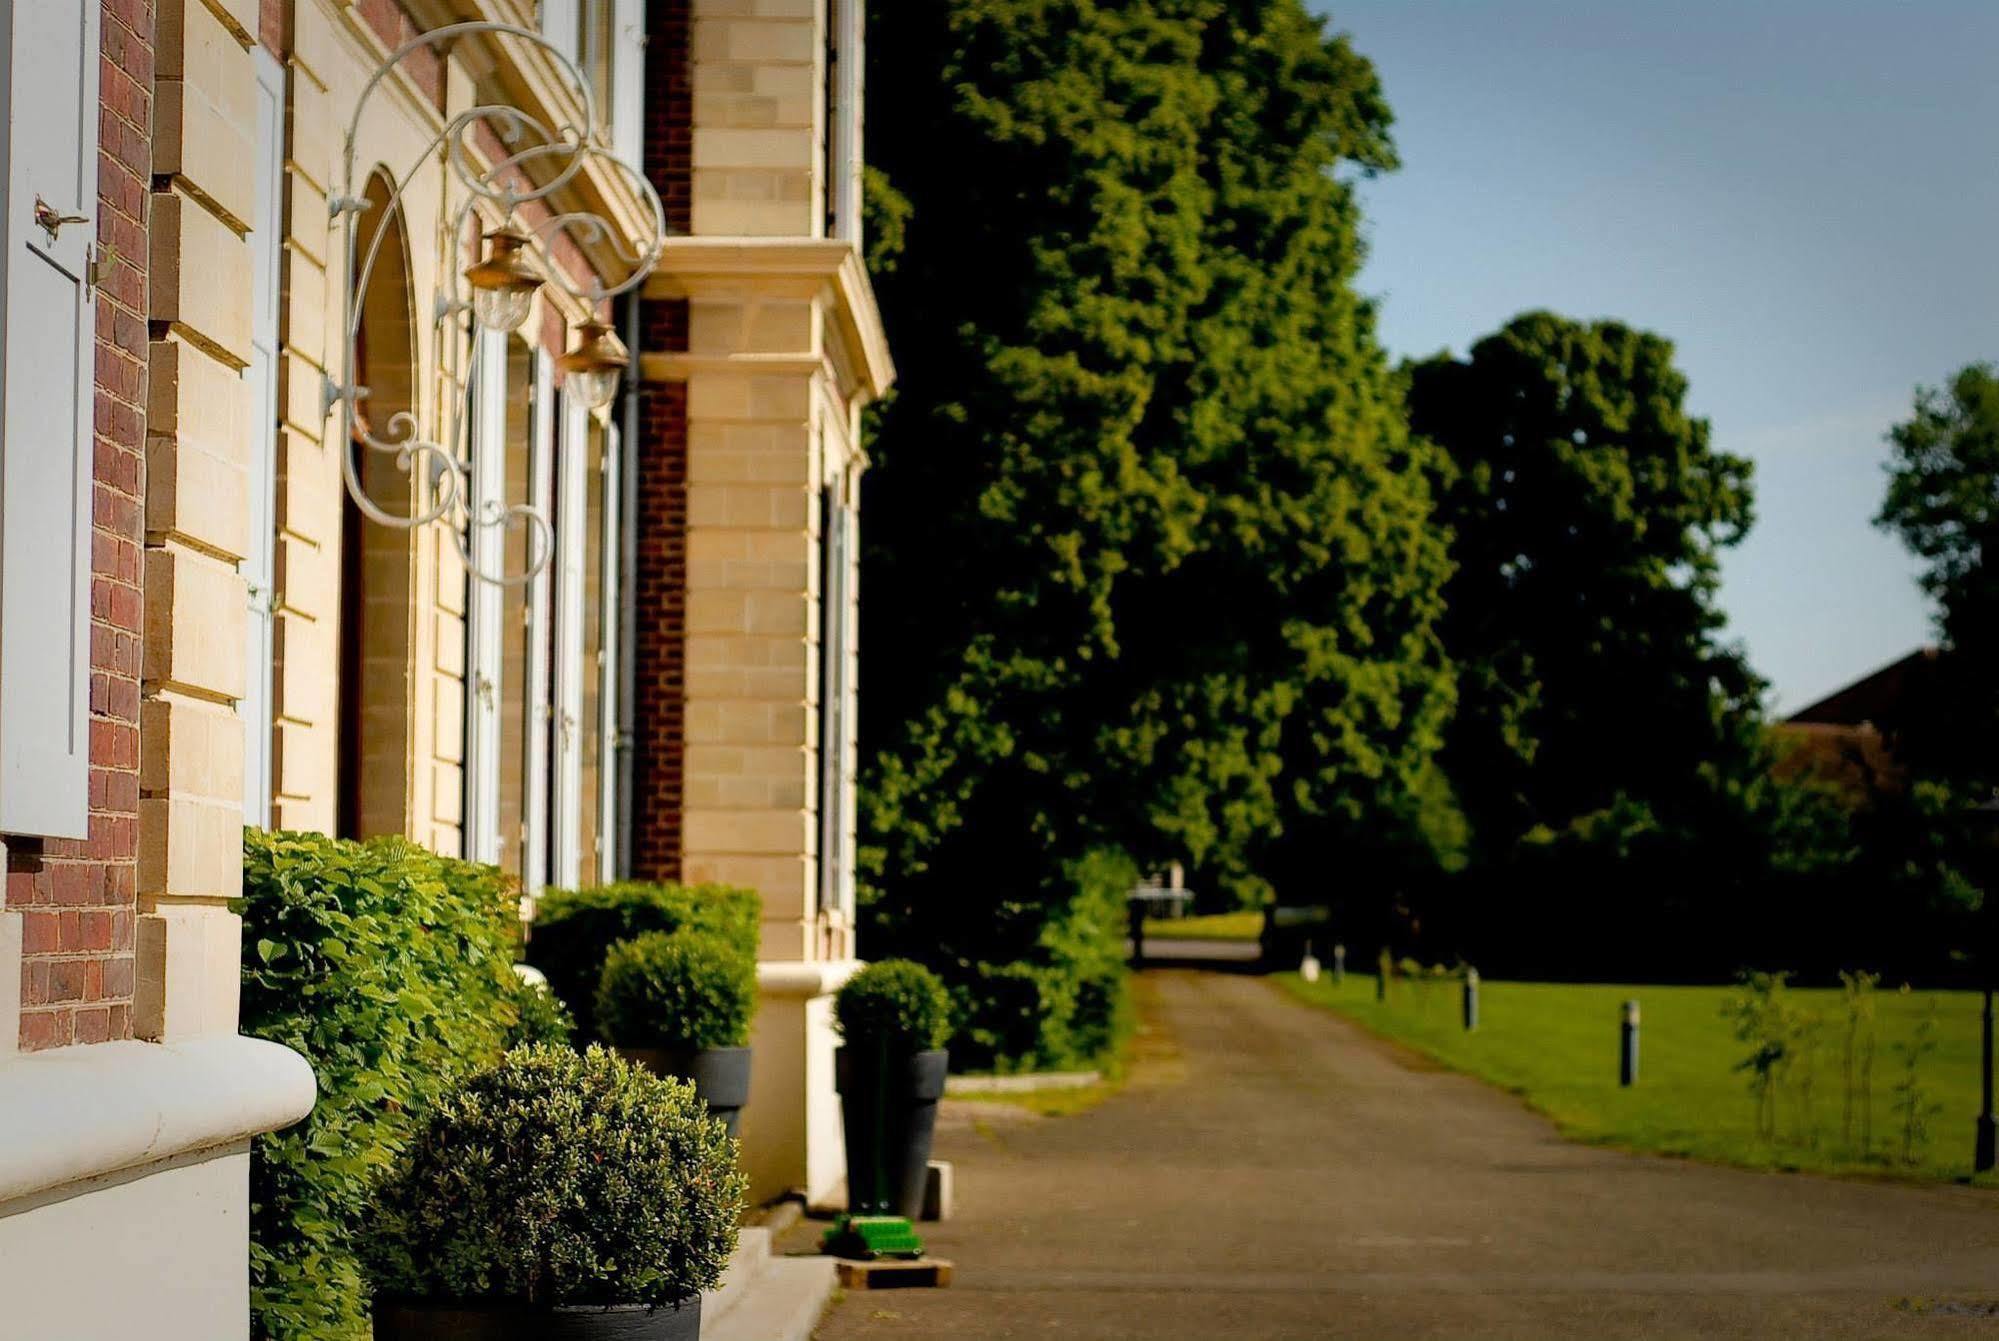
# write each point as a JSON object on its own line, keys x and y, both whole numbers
{"x": 1942, "y": 500}
{"x": 1588, "y": 510}
{"x": 1149, "y": 558}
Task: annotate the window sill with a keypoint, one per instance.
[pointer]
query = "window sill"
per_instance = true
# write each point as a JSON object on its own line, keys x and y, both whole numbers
{"x": 71, "y": 1114}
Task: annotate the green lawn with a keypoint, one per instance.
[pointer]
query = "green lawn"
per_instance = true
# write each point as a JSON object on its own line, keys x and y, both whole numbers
{"x": 1556, "y": 1046}
{"x": 1246, "y": 926}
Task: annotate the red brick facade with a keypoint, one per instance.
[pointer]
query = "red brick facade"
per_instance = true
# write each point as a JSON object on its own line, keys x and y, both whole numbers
{"x": 77, "y": 900}
{"x": 660, "y": 581}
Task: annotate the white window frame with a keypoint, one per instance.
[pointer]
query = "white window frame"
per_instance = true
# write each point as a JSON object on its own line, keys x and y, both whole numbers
{"x": 485, "y": 603}
{"x": 846, "y": 58}
{"x": 610, "y": 681}
{"x": 836, "y": 660}
{"x": 628, "y": 81}
{"x": 259, "y": 567}
{"x": 572, "y": 512}
{"x": 541, "y": 609}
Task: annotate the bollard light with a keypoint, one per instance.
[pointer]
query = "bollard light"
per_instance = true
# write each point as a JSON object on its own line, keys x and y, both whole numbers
{"x": 1471, "y": 1000}
{"x": 1627, "y": 1051}
{"x": 1339, "y": 965}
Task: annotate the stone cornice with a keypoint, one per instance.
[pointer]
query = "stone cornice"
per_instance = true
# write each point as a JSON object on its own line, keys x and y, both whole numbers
{"x": 745, "y": 267}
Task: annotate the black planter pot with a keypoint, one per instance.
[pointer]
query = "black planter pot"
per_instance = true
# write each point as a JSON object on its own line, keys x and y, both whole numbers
{"x": 409, "y": 1320}
{"x": 888, "y": 1103}
{"x": 721, "y": 1076}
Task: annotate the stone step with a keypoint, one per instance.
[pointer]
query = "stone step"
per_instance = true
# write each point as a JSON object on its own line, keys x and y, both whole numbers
{"x": 747, "y": 1263}
{"x": 783, "y": 1303}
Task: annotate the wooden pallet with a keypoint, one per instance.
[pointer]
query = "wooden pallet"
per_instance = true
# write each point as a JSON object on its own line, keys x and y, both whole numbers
{"x": 889, "y": 1273}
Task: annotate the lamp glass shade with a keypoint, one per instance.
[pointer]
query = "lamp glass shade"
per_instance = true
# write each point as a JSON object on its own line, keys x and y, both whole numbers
{"x": 593, "y": 388}
{"x": 590, "y": 370}
{"x": 501, "y": 309}
{"x": 503, "y": 284}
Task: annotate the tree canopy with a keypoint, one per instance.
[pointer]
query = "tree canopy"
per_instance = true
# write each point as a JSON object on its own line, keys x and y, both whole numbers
{"x": 1588, "y": 510}
{"x": 1150, "y": 559}
{"x": 1942, "y": 500}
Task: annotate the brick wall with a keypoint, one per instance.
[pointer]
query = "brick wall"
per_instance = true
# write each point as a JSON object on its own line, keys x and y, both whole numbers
{"x": 77, "y": 898}
{"x": 660, "y": 653}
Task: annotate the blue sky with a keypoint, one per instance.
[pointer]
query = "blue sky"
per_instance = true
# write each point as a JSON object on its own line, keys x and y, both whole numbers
{"x": 1802, "y": 194}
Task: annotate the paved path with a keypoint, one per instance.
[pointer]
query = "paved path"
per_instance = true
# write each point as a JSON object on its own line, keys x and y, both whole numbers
{"x": 1274, "y": 1173}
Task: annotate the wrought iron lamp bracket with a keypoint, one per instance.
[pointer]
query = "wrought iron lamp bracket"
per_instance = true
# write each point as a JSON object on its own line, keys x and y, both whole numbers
{"x": 506, "y": 195}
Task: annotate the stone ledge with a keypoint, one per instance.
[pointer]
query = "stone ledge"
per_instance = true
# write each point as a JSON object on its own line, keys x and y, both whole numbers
{"x": 70, "y": 1114}
{"x": 794, "y": 979}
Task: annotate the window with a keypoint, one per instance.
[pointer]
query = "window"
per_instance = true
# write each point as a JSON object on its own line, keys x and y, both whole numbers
{"x": 606, "y": 39}
{"x": 844, "y": 59}
{"x": 521, "y": 801}
{"x": 597, "y": 766}
{"x": 259, "y": 563}
{"x": 836, "y": 679}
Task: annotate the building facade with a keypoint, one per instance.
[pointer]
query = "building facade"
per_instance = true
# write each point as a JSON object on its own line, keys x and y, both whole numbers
{"x": 625, "y": 646}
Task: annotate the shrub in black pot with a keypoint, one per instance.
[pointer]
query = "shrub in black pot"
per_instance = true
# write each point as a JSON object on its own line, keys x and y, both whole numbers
{"x": 893, "y": 1018}
{"x": 574, "y": 929}
{"x": 555, "y": 1197}
{"x": 679, "y": 1003}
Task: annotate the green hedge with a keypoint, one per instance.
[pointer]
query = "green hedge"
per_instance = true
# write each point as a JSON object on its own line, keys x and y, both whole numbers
{"x": 1065, "y": 1004}
{"x": 391, "y": 970}
{"x": 574, "y": 929}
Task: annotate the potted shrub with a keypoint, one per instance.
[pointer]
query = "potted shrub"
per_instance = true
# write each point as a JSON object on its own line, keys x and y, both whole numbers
{"x": 679, "y": 1003}
{"x": 893, "y": 1018}
{"x": 556, "y": 1196}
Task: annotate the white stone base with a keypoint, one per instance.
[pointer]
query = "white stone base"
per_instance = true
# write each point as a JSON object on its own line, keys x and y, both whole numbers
{"x": 162, "y": 1254}
{"x": 791, "y": 1128}
{"x": 125, "y": 1186}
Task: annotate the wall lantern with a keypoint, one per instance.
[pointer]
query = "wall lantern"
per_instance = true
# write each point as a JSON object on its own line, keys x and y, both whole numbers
{"x": 501, "y": 166}
{"x": 504, "y": 283}
{"x": 590, "y": 371}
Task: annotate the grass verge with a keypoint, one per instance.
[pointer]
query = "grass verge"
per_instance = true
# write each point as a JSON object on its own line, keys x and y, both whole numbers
{"x": 1556, "y": 1045}
{"x": 1240, "y": 926}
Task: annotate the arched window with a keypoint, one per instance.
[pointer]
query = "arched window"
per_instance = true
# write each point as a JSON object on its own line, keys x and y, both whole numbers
{"x": 376, "y": 562}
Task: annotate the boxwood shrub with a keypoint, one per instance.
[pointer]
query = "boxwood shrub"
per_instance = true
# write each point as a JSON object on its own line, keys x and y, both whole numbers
{"x": 574, "y": 929}
{"x": 391, "y": 970}
{"x": 506, "y": 1193}
{"x": 678, "y": 990}
{"x": 896, "y": 1001}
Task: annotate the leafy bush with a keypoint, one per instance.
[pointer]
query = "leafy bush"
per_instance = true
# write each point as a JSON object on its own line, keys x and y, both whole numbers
{"x": 574, "y": 929}
{"x": 390, "y": 969}
{"x": 559, "y": 1178}
{"x": 681, "y": 990}
{"x": 897, "y": 1001}
{"x": 1066, "y": 1001}
{"x": 543, "y": 1017}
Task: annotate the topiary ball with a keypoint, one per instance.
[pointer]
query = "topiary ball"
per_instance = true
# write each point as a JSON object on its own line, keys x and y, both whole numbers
{"x": 558, "y": 1178}
{"x": 680, "y": 991}
{"x": 897, "y": 1002}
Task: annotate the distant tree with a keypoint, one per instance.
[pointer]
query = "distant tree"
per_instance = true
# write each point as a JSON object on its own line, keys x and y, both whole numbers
{"x": 1150, "y": 558}
{"x": 1943, "y": 502}
{"x": 1588, "y": 510}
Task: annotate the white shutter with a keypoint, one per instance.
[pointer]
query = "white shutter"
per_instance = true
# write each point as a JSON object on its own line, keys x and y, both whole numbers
{"x": 45, "y": 416}
{"x": 260, "y": 563}
{"x": 486, "y": 601}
